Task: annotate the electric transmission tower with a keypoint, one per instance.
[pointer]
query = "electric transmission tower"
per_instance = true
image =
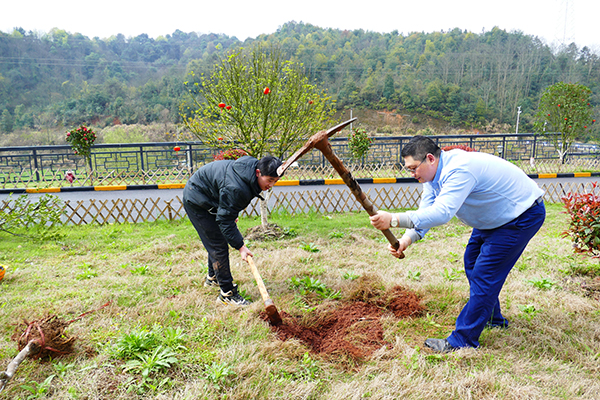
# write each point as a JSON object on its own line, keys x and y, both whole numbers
{"x": 565, "y": 26}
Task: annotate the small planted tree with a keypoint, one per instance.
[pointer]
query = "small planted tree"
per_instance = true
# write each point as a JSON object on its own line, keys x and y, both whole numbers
{"x": 82, "y": 139}
{"x": 564, "y": 114}
{"x": 584, "y": 225}
{"x": 258, "y": 102}
{"x": 359, "y": 142}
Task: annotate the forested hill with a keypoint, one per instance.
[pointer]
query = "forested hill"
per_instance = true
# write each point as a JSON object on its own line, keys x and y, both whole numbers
{"x": 63, "y": 79}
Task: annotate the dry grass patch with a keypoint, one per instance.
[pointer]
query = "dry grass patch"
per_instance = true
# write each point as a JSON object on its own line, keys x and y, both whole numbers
{"x": 153, "y": 274}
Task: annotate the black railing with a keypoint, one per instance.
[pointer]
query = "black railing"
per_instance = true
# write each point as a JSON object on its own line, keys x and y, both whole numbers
{"x": 43, "y": 163}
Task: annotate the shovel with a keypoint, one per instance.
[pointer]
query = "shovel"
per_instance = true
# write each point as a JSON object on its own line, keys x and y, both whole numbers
{"x": 272, "y": 312}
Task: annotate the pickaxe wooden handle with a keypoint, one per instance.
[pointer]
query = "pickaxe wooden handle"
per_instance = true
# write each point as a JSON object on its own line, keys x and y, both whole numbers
{"x": 349, "y": 180}
{"x": 321, "y": 141}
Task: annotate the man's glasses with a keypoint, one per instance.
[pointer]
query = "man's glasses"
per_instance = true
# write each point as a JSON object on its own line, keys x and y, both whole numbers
{"x": 412, "y": 170}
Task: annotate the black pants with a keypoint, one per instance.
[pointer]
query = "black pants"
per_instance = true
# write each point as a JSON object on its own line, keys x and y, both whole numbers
{"x": 214, "y": 242}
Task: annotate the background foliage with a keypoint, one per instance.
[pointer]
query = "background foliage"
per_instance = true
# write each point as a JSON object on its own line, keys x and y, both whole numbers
{"x": 461, "y": 77}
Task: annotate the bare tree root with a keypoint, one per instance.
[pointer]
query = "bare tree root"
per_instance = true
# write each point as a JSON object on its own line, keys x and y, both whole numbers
{"x": 43, "y": 338}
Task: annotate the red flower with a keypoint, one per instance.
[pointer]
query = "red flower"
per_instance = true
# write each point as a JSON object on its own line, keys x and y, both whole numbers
{"x": 585, "y": 126}
{"x": 593, "y": 120}
{"x": 310, "y": 102}
{"x": 176, "y": 148}
{"x": 219, "y": 138}
{"x": 565, "y": 119}
{"x": 559, "y": 105}
{"x": 267, "y": 90}
{"x": 221, "y": 105}
{"x": 548, "y": 114}
{"x": 228, "y": 107}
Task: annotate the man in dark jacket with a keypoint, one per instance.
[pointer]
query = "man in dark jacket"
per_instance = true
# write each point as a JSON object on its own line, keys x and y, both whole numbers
{"x": 213, "y": 198}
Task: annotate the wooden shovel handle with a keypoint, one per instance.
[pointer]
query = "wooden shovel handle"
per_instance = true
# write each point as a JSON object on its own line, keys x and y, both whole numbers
{"x": 258, "y": 279}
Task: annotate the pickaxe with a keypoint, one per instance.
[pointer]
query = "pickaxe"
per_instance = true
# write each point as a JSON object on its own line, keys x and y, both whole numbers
{"x": 321, "y": 141}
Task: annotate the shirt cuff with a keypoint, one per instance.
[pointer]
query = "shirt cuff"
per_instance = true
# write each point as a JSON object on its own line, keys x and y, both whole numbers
{"x": 404, "y": 221}
{"x": 413, "y": 235}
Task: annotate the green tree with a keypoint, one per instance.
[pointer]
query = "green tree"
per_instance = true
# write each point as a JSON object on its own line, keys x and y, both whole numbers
{"x": 258, "y": 102}
{"x": 6, "y": 122}
{"x": 388, "y": 87}
{"x": 564, "y": 115}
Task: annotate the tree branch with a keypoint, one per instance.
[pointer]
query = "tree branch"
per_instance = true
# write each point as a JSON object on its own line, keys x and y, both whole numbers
{"x": 6, "y": 376}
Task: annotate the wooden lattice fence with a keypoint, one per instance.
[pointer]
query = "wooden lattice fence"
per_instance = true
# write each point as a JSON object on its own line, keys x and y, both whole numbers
{"x": 328, "y": 200}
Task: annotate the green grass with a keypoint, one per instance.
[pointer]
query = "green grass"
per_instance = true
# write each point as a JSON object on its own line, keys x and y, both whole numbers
{"x": 164, "y": 335}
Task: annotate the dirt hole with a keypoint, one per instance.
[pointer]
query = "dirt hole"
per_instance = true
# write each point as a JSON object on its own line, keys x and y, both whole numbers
{"x": 352, "y": 328}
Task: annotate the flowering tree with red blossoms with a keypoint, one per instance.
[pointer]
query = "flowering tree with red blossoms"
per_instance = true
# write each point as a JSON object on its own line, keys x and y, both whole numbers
{"x": 257, "y": 101}
{"x": 82, "y": 139}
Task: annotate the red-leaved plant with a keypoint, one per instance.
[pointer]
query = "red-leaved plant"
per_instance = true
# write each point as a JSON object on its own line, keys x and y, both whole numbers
{"x": 458, "y": 146}
{"x": 584, "y": 227}
{"x": 231, "y": 154}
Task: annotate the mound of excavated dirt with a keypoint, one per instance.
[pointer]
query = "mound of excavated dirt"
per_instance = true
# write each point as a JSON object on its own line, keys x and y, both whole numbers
{"x": 269, "y": 232}
{"x": 353, "y": 328}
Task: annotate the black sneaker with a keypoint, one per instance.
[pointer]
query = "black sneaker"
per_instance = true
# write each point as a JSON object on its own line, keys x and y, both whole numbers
{"x": 232, "y": 298}
{"x": 211, "y": 281}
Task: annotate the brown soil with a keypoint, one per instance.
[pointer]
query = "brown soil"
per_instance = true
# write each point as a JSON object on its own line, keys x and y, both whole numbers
{"x": 48, "y": 334}
{"x": 353, "y": 328}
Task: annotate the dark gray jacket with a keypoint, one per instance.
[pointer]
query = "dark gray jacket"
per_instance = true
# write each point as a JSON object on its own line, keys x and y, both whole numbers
{"x": 225, "y": 188}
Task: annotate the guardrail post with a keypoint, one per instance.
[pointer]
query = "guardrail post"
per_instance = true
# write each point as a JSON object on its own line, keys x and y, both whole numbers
{"x": 35, "y": 165}
{"x": 142, "y": 157}
{"x": 190, "y": 158}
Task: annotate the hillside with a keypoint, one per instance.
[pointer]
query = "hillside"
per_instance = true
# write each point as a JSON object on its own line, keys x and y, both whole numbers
{"x": 446, "y": 81}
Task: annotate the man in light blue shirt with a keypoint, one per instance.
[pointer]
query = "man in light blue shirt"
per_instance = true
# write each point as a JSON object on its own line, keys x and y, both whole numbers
{"x": 502, "y": 204}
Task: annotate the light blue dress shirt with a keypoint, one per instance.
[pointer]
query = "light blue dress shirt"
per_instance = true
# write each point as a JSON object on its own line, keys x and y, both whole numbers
{"x": 482, "y": 190}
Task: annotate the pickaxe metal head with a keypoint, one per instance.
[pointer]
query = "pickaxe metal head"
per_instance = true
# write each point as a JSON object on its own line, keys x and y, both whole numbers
{"x": 311, "y": 144}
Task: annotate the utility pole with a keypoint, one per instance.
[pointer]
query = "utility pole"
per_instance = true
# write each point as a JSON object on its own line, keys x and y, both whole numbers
{"x": 518, "y": 114}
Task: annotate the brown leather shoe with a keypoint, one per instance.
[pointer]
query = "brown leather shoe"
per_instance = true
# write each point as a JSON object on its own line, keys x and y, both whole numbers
{"x": 439, "y": 345}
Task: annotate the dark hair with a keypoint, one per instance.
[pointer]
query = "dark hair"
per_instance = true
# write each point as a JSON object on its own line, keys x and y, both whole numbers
{"x": 268, "y": 166}
{"x": 419, "y": 146}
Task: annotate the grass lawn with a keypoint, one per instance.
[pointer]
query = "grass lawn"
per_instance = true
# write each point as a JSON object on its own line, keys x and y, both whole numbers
{"x": 164, "y": 336}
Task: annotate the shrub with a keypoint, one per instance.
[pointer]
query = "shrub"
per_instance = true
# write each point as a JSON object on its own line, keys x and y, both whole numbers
{"x": 82, "y": 139}
{"x": 359, "y": 142}
{"x": 39, "y": 218}
{"x": 231, "y": 154}
{"x": 584, "y": 226}
{"x": 458, "y": 146}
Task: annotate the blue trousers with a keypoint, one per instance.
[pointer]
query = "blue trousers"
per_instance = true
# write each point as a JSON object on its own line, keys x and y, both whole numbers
{"x": 489, "y": 257}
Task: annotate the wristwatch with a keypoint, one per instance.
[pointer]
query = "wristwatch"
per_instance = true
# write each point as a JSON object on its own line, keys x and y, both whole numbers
{"x": 394, "y": 221}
